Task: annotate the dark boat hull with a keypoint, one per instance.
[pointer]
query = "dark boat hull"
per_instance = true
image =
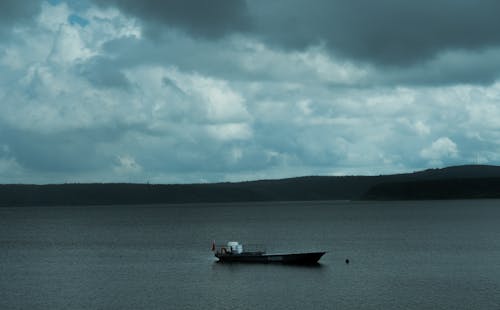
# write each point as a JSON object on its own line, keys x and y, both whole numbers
{"x": 298, "y": 258}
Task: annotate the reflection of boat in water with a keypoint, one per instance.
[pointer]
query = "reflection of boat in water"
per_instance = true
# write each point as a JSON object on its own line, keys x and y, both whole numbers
{"x": 234, "y": 253}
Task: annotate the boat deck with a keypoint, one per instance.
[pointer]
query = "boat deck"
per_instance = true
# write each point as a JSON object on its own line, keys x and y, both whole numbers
{"x": 261, "y": 257}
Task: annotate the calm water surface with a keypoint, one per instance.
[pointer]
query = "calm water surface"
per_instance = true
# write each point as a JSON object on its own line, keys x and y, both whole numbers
{"x": 413, "y": 255}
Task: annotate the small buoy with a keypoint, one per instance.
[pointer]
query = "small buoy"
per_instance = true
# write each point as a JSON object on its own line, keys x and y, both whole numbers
{"x": 347, "y": 261}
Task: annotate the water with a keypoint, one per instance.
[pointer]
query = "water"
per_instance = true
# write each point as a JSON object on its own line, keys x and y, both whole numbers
{"x": 413, "y": 255}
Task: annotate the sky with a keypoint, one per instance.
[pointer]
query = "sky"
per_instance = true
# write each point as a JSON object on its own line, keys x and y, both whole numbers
{"x": 232, "y": 90}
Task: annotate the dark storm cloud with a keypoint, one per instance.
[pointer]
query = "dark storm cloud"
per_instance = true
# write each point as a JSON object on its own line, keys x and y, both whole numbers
{"x": 387, "y": 32}
{"x": 390, "y": 32}
{"x": 210, "y": 19}
{"x": 17, "y": 10}
{"x": 14, "y": 12}
{"x": 456, "y": 67}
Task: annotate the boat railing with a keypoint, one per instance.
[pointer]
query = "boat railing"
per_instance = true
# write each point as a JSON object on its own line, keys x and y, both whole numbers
{"x": 251, "y": 247}
{"x": 254, "y": 247}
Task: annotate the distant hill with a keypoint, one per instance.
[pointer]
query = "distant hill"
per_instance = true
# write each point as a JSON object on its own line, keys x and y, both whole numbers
{"x": 460, "y": 182}
{"x": 466, "y": 171}
{"x": 453, "y": 188}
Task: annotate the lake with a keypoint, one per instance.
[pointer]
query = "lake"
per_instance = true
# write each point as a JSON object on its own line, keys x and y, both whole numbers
{"x": 403, "y": 255}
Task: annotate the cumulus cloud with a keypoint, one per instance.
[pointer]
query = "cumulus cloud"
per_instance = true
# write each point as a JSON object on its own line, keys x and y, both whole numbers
{"x": 127, "y": 166}
{"x": 440, "y": 149}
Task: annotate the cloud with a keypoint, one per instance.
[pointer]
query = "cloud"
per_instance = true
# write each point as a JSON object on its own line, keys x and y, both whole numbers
{"x": 446, "y": 68}
{"x": 440, "y": 149}
{"x": 17, "y": 11}
{"x": 226, "y": 132}
{"x": 106, "y": 100}
{"x": 385, "y": 32}
{"x": 127, "y": 165}
{"x": 418, "y": 43}
{"x": 103, "y": 73}
{"x": 211, "y": 19}
{"x": 15, "y": 14}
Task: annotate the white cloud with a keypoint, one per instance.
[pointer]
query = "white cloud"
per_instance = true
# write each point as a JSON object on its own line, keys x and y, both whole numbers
{"x": 315, "y": 63}
{"x": 421, "y": 128}
{"x": 440, "y": 149}
{"x": 109, "y": 24}
{"x": 10, "y": 169}
{"x": 332, "y": 70}
{"x": 127, "y": 165}
{"x": 220, "y": 102}
{"x": 68, "y": 46}
{"x": 232, "y": 131}
{"x": 53, "y": 16}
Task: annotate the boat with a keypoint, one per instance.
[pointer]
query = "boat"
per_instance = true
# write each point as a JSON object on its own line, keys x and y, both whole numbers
{"x": 233, "y": 253}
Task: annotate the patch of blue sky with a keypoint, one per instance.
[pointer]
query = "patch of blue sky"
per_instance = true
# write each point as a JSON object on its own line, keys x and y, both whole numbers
{"x": 76, "y": 19}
